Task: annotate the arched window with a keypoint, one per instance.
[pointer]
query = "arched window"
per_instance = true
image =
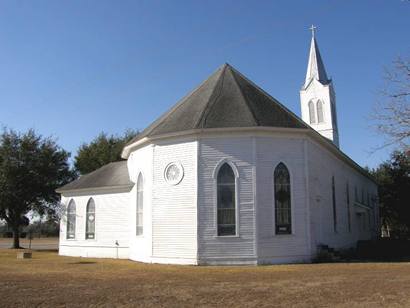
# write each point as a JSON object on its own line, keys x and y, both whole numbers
{"x": 320, "y": 112}
{"x": 283, "y": 217}
{"x": 226, "y": 207}
{"x": 71, "y": 217}
{"x": 349, "y": 224}
{"x": 334, "y": 205}
{"x": 140, "y": 205}
{"x": 312, "y": 116}
{"x": 90, "y": 220}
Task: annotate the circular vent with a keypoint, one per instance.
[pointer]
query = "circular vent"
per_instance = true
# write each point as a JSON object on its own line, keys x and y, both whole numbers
{"x": 174, "y": 173}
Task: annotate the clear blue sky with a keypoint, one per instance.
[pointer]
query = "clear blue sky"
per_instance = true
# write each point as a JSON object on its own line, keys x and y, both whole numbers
{"x": 71, "y": 69}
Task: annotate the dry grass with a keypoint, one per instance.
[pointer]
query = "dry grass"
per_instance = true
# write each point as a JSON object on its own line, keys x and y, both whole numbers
{"x": 53, "y": 281}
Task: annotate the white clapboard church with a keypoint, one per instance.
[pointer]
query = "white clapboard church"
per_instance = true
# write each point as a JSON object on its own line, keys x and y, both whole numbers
{"x": 227, "y": 176}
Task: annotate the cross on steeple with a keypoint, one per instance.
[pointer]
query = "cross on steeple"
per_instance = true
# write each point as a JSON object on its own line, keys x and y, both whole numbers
{"x": 313, "y": 28}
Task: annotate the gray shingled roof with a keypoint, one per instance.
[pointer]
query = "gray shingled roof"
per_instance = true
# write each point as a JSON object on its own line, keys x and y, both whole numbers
{"x": 111, "y": 175}
{"x": 225, "y": 99}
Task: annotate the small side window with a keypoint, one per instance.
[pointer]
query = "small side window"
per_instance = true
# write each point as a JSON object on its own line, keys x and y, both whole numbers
{"x": 90, "y": 220}
{"x": 71, "y": 220}
{"x": 283, "y": 217}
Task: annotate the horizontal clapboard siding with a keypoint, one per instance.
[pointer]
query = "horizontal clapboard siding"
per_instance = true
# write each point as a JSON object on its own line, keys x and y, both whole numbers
{"x": 270, "y": 152}
{"x": 174, "y": 207}
{"x": 111, "y": 226}
{"x": 239, "y": 151}
{"x": 322, "y": 166}
{"x": 141, "y": 161}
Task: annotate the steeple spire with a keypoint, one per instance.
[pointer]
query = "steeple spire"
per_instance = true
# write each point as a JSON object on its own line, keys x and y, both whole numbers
{"x": 317, "y": 96}
{"x": 316, "y": 69}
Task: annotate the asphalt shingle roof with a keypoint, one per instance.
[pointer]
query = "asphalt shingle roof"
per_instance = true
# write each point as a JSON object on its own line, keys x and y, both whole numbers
{"x": 225, "y": 99}
{"x": 111, "y": 175}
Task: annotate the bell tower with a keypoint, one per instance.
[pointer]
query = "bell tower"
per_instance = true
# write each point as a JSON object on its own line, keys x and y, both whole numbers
{"x": 317, "y": 96}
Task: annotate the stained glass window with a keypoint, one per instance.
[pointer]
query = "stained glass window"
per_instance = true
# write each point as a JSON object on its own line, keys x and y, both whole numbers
{"x": 226, "y": 219}
{"x": 283, "y": 218}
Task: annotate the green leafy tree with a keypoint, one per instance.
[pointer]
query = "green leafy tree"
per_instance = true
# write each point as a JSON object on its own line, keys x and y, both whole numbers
{"x": 101, "y": 151}
{"x": 31, "y": 168}
{"x": 393, "y": 177}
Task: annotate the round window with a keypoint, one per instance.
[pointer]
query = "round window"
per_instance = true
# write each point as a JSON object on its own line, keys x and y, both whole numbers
{"x": 174, "y": 173}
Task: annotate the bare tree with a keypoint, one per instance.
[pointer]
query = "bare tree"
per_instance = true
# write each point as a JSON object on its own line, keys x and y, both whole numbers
{"x": 392, "y": 113}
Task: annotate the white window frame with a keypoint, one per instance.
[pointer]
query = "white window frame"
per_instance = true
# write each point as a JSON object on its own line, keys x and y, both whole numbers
{"x": 215, "y": 179}
{"x": 140, "y": 174}
{"x": 312, "y": 103}
{"x": 320, "y": 103}
{"x": 292, "y": 214}
{"x": 86, "y": 219}
{"x": 75, "y": 220}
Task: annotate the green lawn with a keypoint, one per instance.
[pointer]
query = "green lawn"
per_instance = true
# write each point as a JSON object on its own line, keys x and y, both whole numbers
{"x": 49, "y": 280}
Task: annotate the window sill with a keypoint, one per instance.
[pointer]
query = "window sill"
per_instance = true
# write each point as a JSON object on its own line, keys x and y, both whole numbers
{"x": 226, "y": 236}
{"x": 284, "y": 235}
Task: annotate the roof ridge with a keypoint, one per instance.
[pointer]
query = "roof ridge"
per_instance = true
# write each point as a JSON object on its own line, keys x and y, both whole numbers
{"x": 274, "y": 99}
{"x": 233, "y": 72}
{"x": 158, "y": 121}
{"x": 205, "y": 113}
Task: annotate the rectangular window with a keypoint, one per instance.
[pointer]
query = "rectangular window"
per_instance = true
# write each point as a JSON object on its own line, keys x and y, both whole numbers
{"x": 348, "y": 207}
{"x": 362, "y": 196}
{"x": 70, "y": 226}
{"x": 356, "y": 195}
{"x": 226, "y": 209}
{"x": 334, "y": 205}
{"x": 90, "y": 232}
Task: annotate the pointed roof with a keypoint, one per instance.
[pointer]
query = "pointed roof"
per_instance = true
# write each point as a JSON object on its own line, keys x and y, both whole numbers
{"x": 316, "y": 69}
{"x": 225, "y": 99}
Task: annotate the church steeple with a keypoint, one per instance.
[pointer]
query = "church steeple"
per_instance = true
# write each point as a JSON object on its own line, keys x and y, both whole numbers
{"x": 316, "y": 69}
{"x": 317, "y": 96}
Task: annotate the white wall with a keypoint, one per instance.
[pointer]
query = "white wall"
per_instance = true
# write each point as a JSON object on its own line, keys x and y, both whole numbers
{"x": 180, "y": 220}
{"x": 141, "y": 161}
{"x": 322, "y": 166}
{"x": 211, "y": 248}
{"x": 311, "y": 168}
{"x": 275, "y": 248}
{"x": 111, "y": 225}
{"x": 316, "y": 91}
{"x": 174, "y": 207}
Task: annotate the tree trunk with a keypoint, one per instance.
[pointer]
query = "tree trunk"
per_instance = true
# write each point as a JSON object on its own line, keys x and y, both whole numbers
{"x": 16, "y": 238}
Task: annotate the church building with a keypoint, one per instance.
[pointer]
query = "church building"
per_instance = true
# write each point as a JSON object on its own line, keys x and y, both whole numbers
{"x": 228, "y": 175}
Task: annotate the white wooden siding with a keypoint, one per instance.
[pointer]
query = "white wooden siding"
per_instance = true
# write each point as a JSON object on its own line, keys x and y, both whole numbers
{"x": 322, "y": 166}
{"x": 141, "y": 161}
{"x": 180, "y": 220}
{"x": 226, "y": 249}
{"x": 174, "y": 207}
{"x": 111, "y": 226}
{"x": 271, "y": 247}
